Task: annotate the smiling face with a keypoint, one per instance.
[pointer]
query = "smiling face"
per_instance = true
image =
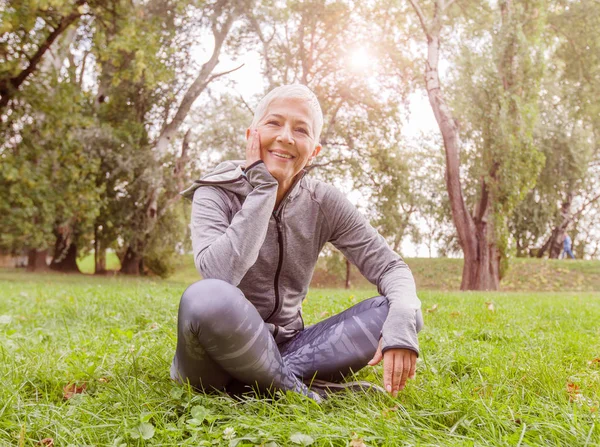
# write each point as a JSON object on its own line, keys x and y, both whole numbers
{"x": 287, "y": 138}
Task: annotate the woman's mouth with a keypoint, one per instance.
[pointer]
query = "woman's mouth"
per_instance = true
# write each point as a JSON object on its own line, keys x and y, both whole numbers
{"x": 281, "y": 155}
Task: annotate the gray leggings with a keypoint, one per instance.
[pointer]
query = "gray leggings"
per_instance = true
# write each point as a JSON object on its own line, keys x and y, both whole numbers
{"x": 221, "y": 338}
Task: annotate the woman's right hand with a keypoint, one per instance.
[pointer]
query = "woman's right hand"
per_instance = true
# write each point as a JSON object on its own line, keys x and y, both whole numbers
{"x": 253, "y": 148}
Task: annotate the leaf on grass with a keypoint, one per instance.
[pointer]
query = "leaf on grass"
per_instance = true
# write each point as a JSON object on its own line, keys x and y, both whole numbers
{"x": 433, "y": 308}
{"x": 145, "y": 431}
{"x": 103, "y": 380}
{"x": 454, "y": 314}
{"x": 573, "y": 391}
{"x": 323, "y": 314}
{"x": 357, "y": 441}
{"x": 176, "y": 393}
{"x": 595, "y": 361}
{"x": 46, "y": 442}
{"x": 490, "y": 306}
{"x": 302, "y": 439}
{"x": 387, "y": 412}
{"x": 72, "y": 389}
{"x": 199, "y": 414}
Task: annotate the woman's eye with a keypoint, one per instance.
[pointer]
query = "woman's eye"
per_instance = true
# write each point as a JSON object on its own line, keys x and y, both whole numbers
{"x": 302, "y": 130}
{"x": 273, "y": 122}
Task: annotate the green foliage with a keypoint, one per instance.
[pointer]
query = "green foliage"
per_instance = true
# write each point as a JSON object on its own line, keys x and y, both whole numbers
{"x": 567, "y": 131}
{"x": 163, "y": 250}
{"x": 47, "y": 175}
{"x": 496, "y": 93}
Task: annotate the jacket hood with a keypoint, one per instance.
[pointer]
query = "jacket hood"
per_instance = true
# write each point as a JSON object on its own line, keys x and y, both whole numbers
{"x": 228, "y": 175}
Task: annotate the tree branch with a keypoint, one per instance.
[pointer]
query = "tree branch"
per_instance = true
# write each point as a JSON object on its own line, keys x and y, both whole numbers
{"x": 9, "y": 86}
{"x": 309, "y": 168}
{"x": 215, "y": 76}
{"x": 422, "y": 19}
{"x": 447, "y": 5}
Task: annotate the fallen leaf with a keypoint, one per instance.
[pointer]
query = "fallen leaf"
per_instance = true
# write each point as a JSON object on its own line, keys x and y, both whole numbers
{"x": 323, "y": 314}
{"x": 154, "y": 326}
{"x": 595, "y": 361}
{"x": 573, "y": 392}
{"x": 454, "y": 314}
{"x": 387, "y": 412}
{"x": 103, "y": 380}
{"x": 432, "y": 308}
{"x": 46, "y": 442}
{"x": 357, "y": 441}
{"x": 490, "y": 306}
{"x": 71, "y": 389}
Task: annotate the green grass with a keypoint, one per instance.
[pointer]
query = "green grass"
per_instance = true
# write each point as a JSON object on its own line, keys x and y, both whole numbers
{"x": 483, "y": 378}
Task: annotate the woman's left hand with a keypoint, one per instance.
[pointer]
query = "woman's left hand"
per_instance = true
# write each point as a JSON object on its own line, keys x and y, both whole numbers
{"x": 398, "y": 366}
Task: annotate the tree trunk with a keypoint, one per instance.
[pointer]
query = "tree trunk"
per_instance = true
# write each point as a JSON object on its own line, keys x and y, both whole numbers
{"x": 68, "y": 263}
{"x": 481, "y": 263}
{"x": 99, "y": 254}
{"x": 65, "y": 251}
{"x": 36, "y": 260}
{"x": 348, "y": 267}
{"x": 553, "y": 244}
{"x": 483, "y": 273}
{"x": 131, "y": 263}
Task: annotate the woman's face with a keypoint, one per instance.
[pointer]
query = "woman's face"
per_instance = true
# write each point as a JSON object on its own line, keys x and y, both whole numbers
{"x": 287, "y": 138}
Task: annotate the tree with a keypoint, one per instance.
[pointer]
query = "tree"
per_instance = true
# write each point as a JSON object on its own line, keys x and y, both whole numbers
{"x": 501, "y": 137}
{"x": 27, "y": 33}
{"x": 567, "y": 133}
{"x": 219, "y": 16}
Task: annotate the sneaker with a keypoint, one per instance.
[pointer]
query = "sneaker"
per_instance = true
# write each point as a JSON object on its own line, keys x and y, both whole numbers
{"x": 323, "y": 387}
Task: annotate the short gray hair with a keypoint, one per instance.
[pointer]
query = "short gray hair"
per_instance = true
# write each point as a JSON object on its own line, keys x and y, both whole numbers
{"x": 298, "y": 91}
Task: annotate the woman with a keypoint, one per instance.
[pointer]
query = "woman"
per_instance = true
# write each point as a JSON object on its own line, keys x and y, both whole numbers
{"x": 257, "y": 229}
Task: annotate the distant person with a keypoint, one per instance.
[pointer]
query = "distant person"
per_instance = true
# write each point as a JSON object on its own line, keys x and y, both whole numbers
{"x": 258, "y": 226}
{"x": 567, "y": 245}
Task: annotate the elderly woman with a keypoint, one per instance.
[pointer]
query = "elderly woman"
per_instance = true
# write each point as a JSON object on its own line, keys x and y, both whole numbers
{"x": 257, "y": 229}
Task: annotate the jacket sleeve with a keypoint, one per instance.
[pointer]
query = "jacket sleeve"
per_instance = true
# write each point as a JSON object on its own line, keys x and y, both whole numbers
{"x": 354, "y": 236}
{"x": 224, "y": 250}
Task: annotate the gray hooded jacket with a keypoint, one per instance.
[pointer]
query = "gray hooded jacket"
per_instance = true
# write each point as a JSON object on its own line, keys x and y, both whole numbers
{"x": 238, "y": 237}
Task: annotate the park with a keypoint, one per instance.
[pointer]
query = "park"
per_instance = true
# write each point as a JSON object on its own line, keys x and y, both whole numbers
{"x": 434, "y": 164}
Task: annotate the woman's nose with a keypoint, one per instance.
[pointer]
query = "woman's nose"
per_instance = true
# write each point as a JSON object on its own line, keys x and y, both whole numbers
{"x": 285, "y": 136}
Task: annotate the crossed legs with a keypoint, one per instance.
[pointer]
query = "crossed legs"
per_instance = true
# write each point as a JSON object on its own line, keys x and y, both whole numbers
{"x": 222, "y": 337}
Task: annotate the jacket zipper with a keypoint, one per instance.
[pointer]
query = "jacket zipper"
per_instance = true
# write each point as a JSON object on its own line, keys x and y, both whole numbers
{"x": 279, "y": 265}
{"x": 276, "y": 214}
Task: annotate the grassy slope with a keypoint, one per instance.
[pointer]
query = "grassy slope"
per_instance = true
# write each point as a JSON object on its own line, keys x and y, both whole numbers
{"x": 484, "y": 378}
{"x": 539, "y": 275}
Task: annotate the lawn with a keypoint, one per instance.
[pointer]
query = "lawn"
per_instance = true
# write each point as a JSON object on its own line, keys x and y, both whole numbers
{"x": 506, "y": 368}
